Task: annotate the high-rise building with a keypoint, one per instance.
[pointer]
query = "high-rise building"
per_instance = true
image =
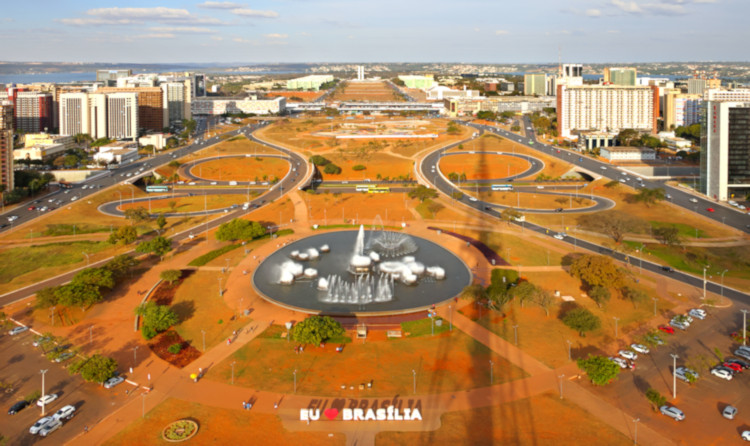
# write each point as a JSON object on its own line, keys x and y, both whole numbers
{"x": 626, "y": 76}
{"x": 606, "y": 108}
{"x": 725, "y": 149}
{"x": 74, "y": 114}
{"x": 122, "y": 115}
{"x": 535, "y": 84}
{"x": 109, "y": 77}
{"x": 33, "y": 112}
{"x": 173, "y": 102}
{"x": 734, "y": 95}
{"x": 6, "y": 144}
{"x": 681, "y": 110}
{"x": 150, "y": 105}
{"x": 569, "y": 74}
{"x": 98, "y": 116}
{"x": 696, "y": 86}
{"x": 571, "y": 70}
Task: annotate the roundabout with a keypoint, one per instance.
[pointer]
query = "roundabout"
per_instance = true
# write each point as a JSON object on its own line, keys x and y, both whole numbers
{"x": 367, "y": 273}
{"x": 189, "y": 169}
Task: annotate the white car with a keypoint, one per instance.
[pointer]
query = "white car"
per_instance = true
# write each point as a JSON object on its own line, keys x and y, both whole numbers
{"x": 472, "y": 199}
{"x": 559, "y": 236}
{"x": 619, "y": 361}
{"x": 40, "y": 424}
{"x": 640, "y": 348}
{"x": 213, "y": 183}
{"x": 50, "y": 427}
{"x": 13, "y": 218}
{"x": 111, "y": 382}
{"x": 721, "y": 373}
{"x": 698, "y": 313}
{"x": 603, "y": 168}
{"x": 627, "y": 354}
{"x": 745, "y": 435}
{"x": 65, "y": 413}
{"x": 693, "y": 200}
{"x": 18, "y": 330}
{"x": 46, "y": 399}
{"x": 673, "y": 412}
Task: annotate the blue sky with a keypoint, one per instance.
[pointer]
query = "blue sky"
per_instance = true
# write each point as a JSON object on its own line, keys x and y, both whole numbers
{"x": 488, "y": 31}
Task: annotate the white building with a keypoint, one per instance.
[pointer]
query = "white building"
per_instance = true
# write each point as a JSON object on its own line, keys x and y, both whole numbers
{"x": 606, "y": 108}
{"x": 41, "y": 152}
{"x": 74, "y": 114}
{"x": 627, "y": 153}
{"x": 158, "y": 140}
{"x": 121, "y": 152}
{"x": 247, "y": 105}
{"x": 122, "y": 116}
{"x": 439, "y": 92}
{"x": 174, "y": 99}
{"x": 725, "y": 151}
{"x": 734, "y": 95}
{"x": 98, "y": 116}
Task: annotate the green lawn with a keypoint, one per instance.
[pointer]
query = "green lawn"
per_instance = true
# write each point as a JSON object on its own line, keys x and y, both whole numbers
{"x": 684, "y": 231}
{"x": 445, "y": 362}
{"x": 16, "y": 262}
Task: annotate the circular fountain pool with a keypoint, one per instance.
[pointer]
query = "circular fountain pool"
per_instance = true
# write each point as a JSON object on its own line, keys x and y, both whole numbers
{"x": 361, "y": 272}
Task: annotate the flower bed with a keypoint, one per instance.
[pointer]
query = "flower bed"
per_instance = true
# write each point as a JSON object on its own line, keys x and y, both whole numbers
{"x": 180, "y": 430}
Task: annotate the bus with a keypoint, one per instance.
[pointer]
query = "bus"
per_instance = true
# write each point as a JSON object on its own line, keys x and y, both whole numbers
{"x": 502, "y": 187}
{"x": 364, "y": 187}
{"x": 379, "y": 190}
{"x": 157, "y": 188}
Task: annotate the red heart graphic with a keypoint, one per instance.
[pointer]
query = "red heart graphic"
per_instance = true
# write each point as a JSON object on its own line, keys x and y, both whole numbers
{"x": 331, "y": 413}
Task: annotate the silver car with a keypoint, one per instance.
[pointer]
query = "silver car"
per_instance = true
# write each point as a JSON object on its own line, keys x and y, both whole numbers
{"x": 65, "y": 413}
{"x": 51, "y": 427}
{"x": 18, "y": 330}
{"x": 673, "y": 412}
{"x": 40, "y": 424}
{"x": 729, "y": 412}
{"x": 111, "y": 382}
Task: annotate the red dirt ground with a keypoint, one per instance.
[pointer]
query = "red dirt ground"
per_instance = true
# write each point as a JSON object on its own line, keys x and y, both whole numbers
{"x": 306, "y": 96}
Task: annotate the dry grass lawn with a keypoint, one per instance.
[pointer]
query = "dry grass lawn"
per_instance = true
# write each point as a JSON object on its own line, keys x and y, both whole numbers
{"x": 483, "y": 167}
{"x": 337, "y": 208}
{"x": 365, "y": 91}
{"x": 188, "y": 204}
{"x": 533, "y": 200}
{"x": 243, "y": 169}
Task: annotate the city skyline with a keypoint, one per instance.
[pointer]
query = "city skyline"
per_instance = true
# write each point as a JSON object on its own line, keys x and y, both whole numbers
{"x": 289, "y": 31}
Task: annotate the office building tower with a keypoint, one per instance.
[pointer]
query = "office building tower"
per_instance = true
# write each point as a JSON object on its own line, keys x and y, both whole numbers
{"x": 725, "y": 149}
{"x": 98, "y": 116}
{"x": 625, "y": 76}
{"x": 681, "y": 110}
{"x": 535, "y": 84}
{"x": 173, "y": 102}
{"x": 122, "y": 115}
{"x": 6, "y": 144}
{"x": 33, "y": 112}
{"x": 606, "y": 108}
{"x": 109, "y": 77}
{"x": 74, "y": 114}
{"x": 150, "y": 106}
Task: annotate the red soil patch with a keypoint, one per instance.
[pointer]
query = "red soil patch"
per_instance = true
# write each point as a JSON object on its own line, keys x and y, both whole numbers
{"x": 161, "y": 343}
{"x": 306, "y": 96}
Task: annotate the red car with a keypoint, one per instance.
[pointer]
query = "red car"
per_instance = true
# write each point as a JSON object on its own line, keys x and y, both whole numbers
{"x": 733, "y": 366}
{"x": 31, "y": 208}
{"x": 710, "y": 209}
{"x": 666, "y": 329}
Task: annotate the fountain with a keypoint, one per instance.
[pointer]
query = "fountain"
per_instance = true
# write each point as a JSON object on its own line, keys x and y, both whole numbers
{"x": 382, "y": 271}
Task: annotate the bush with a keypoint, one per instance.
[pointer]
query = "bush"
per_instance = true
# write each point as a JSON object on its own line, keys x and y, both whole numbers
{"x": 319, "y": 160}
{"x": 332, "y": 169}
{"x": 174, "y": 348}
{"x": 657, "y": 399}
{"x": 600, "y": 369}
{"x": 171, "y": 275}
{"x": 207, "y": 257}
{"x": 316, "y": 329}
{"x": 359, "y": 167}
{"x": 239, "y": 229}
{"x": 582, "y": 320}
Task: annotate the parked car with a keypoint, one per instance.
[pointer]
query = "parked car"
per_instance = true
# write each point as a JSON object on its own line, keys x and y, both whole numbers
{"x": 666, "y": 329}
{"x": 673, "y": 412}
{"x": 739, "y": 362}
{"x": 745, "y": 435}
{"x": 40, "y": 340}
{"x": 18, "y": 330}
{"x": 65, "y": 413}
{"x": 729, "y": 412}
{"x": 46, "y": 399}
{"x": 627, "y": 354}
{"x": 742, "y": 353}
{"x": 678, "y": 324}
{"x": 683, "y": 372}
{"x": 730, "y": 365}
{"x": 111, "y": 382}
{"x": 640, "y": 348}
{"x": 17, "y": 407}
{"x": 656, "y": 339}
{"x": 51, "y": 427}
{"x": 621, "y": 362}
{"x": 42, "y": 422}
{"x": 722, "y": 372}
{"x": 698, "y": 313}
{"x": 64, "y": 357}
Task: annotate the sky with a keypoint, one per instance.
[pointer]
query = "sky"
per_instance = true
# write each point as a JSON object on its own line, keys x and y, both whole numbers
{"x": 367, "y": 31}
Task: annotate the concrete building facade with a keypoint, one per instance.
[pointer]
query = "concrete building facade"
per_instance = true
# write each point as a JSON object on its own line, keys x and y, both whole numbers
{"x": 122, "y": 115}
{"x": 681, "y": 110}
{"x": 6, "y": 144}
{"x": 627, "y": 153}
{"x": 535, "y": 84}
{"x": 312, "y": 82}
{"x": 74, "y": 113}
{"x": 173, "y": 102}
{"x": 241, "y": 105}
{"x": 624, "y": 76}
{"x": 419, "y": 82}
{"x": 150, "y": 106}
{"x": 606, "y": 108}
{"x": 725, "y": 149}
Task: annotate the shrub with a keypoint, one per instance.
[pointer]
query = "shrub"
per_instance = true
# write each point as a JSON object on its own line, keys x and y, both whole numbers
{"x": 319, "y": 160}
{"x": 359, "y": 167}
{"x": 174, "y": 348}
{"x": 332, "y": 169}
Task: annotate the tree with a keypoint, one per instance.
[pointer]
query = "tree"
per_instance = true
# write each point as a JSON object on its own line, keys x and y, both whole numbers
{"x": 155, "y": 318}
{"x": 161, "y": 221}
{"x": 170, "y": 275}
{"x": 600, "y": 295}
{"x": 98, "y": 277}
{"x": 614, "y": 224}
{"x": 544, "y": 299}
{"x": 174, "y": 348}
{"x": 138, "y": 214}
{"x": 422, "y": 193}
{"x": 634, "y": 295}
{"x": 158, "y": 246}
{"x": 319, "y": 160}
{"x": 434, "y": 207}
{"x": 600, "y": 369}
{"x": 655, "y": 398}
{"x": 239, "y": 229}
{"x": 121, "y": 265}
{"x": 582, "y": 320}
{"x": 78, "y": 294}
{"x": 46, "y": 297}
{"x": 97, "y": 368}
{"x": 524, "y": 292}
{"x": 332, "y": 169}
{"x": 596, "y": 270}
{"x": 649, "y": 196}
{"x": 667, "y": 235}
{"x": 627, "y": 137}
{"x": 359, "y": 167}
{"x": 475, "y": 292}
{"x": 316, "y": 329}
{"x": 124, "y": 235}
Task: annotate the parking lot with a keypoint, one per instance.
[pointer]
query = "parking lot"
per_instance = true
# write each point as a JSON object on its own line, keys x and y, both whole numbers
{"x": 703, "y": 401}
{"x": 20, "y": 367}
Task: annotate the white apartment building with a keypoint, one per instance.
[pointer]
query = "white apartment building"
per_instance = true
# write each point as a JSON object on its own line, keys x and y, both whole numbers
{"x": 74, "y": 113}
{"x": 734, "y": 95}
{"x": 122, "y": 115}
{"x": 98, "y": 116}
{"x": 606, "y": 108}
{"x": 174, "y": 100}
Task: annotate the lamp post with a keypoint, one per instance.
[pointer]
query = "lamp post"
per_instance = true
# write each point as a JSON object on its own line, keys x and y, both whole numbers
{"x": 704, "y": 281}
{"x": 722, "y": 282}
{"x": 515, "y": 334}
{"x": 450, "y": 317}
{"x": 655, "y": 300}
{"x": 635, "y": 431}
{"x": 43, "y": 372}
{"x": 87, "y": 259}
{"x": 91, "y": 336}
{"x": 616, "y": 319}
{"x": 221, "y": 291}
{"x": 414, "y": 373}
{"x": 674, "y": 374}
{"x": 492, "y": 381}
{"x": 744, "y": 326}
{"x": 135, "y": 351}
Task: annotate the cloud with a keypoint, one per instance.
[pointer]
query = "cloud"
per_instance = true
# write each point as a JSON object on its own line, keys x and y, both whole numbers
{"x": 625, "y": 6}
{"x": 247, "y": 12}
{"x": 657, "y": 7}
{"x": 276, "y": 36}
{"x": 593, "y": 12}
{"x": 220, "y": 5}
{"x": 128, "y": 16}
{"x": 502, "y": 32}
{"x": 241, "y": 40}
{"x": 217, "y": 38}
{"x": 182, "y": 29}
{"x": 157, "y": 36}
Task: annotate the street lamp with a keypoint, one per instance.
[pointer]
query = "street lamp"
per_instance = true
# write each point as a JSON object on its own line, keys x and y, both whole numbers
{"x": 295, "y": 380}
{"x": 414, "y": 373}
{"x": 654, "y": 299}
{"x": 90, "y": 333}
{"x": 722, "y": 282}
{"x": 635, "y": 432}
{"x": 515, "y": 334}
{"x": 221, "y": 291}
{"x": 450, "y": 317}
{"x": 43, "y": 372}
{"x": 135, "y": 351}
{"x": 674, "y": 375}
{"x": 704, "y": 281}
{"x": 744, "y": 326}
{"x": 87, "y": 259}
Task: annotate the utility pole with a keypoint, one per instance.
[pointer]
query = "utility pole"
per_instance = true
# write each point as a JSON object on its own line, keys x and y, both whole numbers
{"x": 43, "y": 372}
{"x": 744, "y": 326}
{"x": 674, "y": 375}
